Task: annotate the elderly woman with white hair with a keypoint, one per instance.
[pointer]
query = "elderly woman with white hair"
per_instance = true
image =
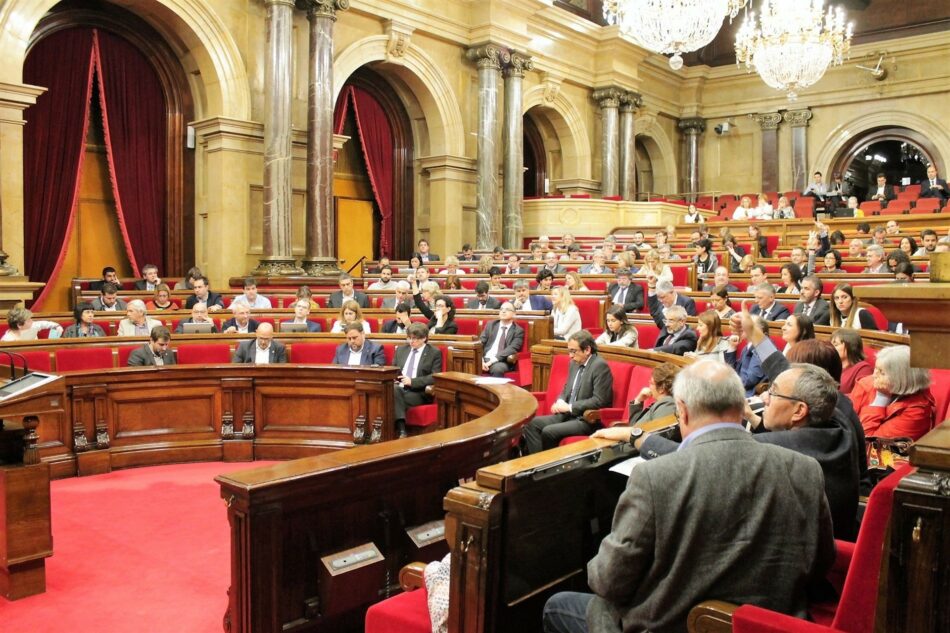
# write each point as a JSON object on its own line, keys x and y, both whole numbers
{"x": 136, "y": 321}
{"x": 895, "y": 401}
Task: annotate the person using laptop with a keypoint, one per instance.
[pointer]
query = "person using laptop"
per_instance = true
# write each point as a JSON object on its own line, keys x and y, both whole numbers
{"x": 199, "y": 315}
{"x": 301, "y": 312}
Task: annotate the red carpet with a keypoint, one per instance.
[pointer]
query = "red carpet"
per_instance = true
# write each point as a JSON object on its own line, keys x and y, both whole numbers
{"x": 143, "y": 549}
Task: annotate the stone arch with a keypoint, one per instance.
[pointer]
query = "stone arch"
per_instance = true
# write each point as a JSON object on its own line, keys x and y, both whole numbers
{"x": 660, "y": 150}
{"x": 191, "y": 29}
{"x": 424, "y": 88}
{"x": 843, "y": 135}
{"x": 564, "y": 118}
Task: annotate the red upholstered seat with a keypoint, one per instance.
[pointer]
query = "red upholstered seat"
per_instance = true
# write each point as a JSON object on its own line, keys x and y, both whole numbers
{"x": 426, "y": 415}
{"x": 407, "y": 612}
{"x": 76, "y": 359}
{"x": 927, "y": 205}
{"x": 856, "y": 572}
{"x": 628, "y": 381}
{"x": 912, "y": 189}
{"x": 647, "y": 333}
{"x": 590, "y": 311}
{"x": 896, "y": 207}
{"x": 389, "y": 350}
{"x": 469, "y": 326}
{"x": 879, "y": 319}
{"x": 124, "y": 352}
{"x": 201, "y": 354}
{"x": 680, "y": 276}
{"x": 940, "y": 388}
{"x": 560, "y": 366}
{"x": 870, "y": 206}
{"x": 36, "y": 360}
{"x": 312, "y": 353}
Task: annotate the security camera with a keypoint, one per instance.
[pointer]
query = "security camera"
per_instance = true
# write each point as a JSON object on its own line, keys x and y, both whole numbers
{"x": 723, "y": 128}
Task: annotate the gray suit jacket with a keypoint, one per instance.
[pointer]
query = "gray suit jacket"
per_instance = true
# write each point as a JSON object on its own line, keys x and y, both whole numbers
{"x": 719, "y": 520}
{"x": 660, "y": 409}
{"x": 371, "y": 354}
{"x": 120, "y": 305}
{"x": 596, "y": 388}
{"x": 143, "y": 357}
{"x": 245, "y": 352}
{"x": 336, "y": 299}
{"x": 820, "y": 314}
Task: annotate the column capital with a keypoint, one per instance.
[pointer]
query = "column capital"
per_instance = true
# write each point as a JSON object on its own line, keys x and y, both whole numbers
{"x": 630, "y": 101}
{"x": 320, "y": 8}
{"x": 692, "y": 125}
{"x": 489, "y": 55}
{"x": 767, "y": 120}
{"x": 608, "y": 97}
{"x": 798, "y": 118}
{"x": 518, "y": 65}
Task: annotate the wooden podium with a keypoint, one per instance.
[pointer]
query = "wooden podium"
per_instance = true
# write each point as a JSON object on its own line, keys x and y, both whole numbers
{"x": 26, "y": 538}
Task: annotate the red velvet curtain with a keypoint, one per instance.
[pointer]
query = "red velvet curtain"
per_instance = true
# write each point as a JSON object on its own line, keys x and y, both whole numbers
{"x": 376, "y": 141}
{"x": 134, "y": 120}
{"x": 53, "y": 147}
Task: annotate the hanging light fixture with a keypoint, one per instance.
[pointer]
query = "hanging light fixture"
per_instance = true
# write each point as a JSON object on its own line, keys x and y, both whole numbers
{"x": 794, "y": 43}
{"x": 670, "y": 26}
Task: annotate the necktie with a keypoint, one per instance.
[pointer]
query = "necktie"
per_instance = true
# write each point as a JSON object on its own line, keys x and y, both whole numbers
{"x": 576, "y": 385}
{"x": 620, "y": 296}
{"x": 411, "y": 365}
{"x": 807, "y": 309}
{"x": 501, "y": 336}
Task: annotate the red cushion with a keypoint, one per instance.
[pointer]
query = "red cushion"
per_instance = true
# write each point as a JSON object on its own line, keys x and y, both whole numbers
{"x": 200, "y": 354}
{"x": 37, "y": 360}
{"x": 77, "y": 359}
{"x": 422, "y": 415}
{"x": 590, "y": 311}
{"x": 124, "y": 352}
{"x": 312, "y": 353}
{"x": 940, "y": 388}
{"x": 647, "y": 333}
{"x": 406, "y": 612}
{"x": 468, "y": 326}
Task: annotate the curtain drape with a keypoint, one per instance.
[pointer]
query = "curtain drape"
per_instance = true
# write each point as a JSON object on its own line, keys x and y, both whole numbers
{"x": 53, "y": 147}
{"x": 376, "y": 139}
{"x": 134, "y": 120}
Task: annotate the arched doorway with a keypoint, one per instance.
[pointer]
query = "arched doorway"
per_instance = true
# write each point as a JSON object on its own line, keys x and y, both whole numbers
{"x": 142, "y": 163}
{"x": 644, "y": 167}
{"x": 386, "y": 165}
{"x": 897, "y": 152}
{"x": 535, "y": 161}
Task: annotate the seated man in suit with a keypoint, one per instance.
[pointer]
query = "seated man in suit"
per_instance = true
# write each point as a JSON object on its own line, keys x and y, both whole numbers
{"x": 418, "y": 361}
{"x": 358, "y": 350}
{"x": 747, "y": 365}
{"x": 199, "y": 314}
{"x": 551, "y": 264}
{"x": 661, "y": 294}
{"x": 109, "y": 276}
{"x": 623, "y": 292}
{"x": 402, "y": 293}
{"x": 402, "y": 320}
{"x": 934, "y": 187}
{"x": 241, "y": 321}
{"x": 155, "y": 352}
{"x": 589, "y": 385}
{"x": 149, "y": 279}
{"x": 136, "y": 322}
{"x": 514, "y": 266}
{"x": 108, "y": 299}
{"x": 598, "y": 265}
{"x": 720, "y": 278}
{"x": 203, "y": 294}
{"x": 810, "y": 302}
{"x": 766, "y": 305}
{"x": 501, "y": 339}
{"x": 423, "y": 250}
{"x": 482, "y": 300}
{"x": 689, "y": 508}
{"x": 524, "y": 300}
{"x": 882, "y": 192}
{"x": 676, "y": 338}
{"x": 301, "y": 312}
{"x": 263, "y": 350}
{"x": 346, "y": 293}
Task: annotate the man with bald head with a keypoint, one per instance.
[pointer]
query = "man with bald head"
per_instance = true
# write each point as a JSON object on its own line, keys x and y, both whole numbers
{"x": 263, "y": 350}
{"x": 753, "y": 515}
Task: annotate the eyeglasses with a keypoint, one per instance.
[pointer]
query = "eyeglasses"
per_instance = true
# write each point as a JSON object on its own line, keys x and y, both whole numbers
{"x": 772, "y": 394}
{"x": 573, "y": 351}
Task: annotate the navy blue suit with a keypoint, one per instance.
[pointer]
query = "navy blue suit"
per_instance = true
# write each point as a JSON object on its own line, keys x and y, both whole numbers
{"x": 371, "y": 354}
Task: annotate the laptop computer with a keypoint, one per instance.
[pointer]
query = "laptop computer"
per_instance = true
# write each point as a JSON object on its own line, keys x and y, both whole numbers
{"x": 293, "y": 327}
{"x": 197, "y": 328}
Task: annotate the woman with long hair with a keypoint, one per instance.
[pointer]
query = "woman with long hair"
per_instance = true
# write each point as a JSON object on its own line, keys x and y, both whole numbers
{"x": 845, "y": 311}
{"x": 653, "y": 266}
{"x": 791, "y": 279}
{"x": 758, "y": 240}
{"x": 850, "y": 349}
{"x": 616, "y": 329}
{"x": 566, "y": 316}
{"x": 350, "y": 312}
{"x": 719, "y": 300}
{"x": 711, "y": 343}
{"x": 573, "y": 282}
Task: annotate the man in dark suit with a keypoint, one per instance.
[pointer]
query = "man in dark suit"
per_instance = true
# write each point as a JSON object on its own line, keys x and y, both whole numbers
{"x": 663, "y": 295}
{"x": 204, "y": 295}
{"x": 108, "y": 299}
{"x": 149, "y": 279}
{"x": 514, "y": 266}
{"x": 676, "y": 337}
{"x": 425, "y": 253}
{"x": 109, "y": 276}
{"x": 199, "y": 314}
{"x": 263, "y": 350}
{"x": 934, "y": 187}
{"x": 482, "y": 300}
{"x": 500, "y": 340}
{"x": 402, "y": 320}
{"x": 524, "y": 300}
{"x": 686, "y": 509}
{"x": 810, "y": 302}
{"x": 358, "y": 350}
{"x": 155, "y": 352}
{"x": 418, "y": 361}
{"x": 589, "y": 385}
{"x": 623, "y": 292}
{"x": 241, "y": 322}
{"x": 883, "y": 192}
{"x": 720, "y": 278}
{"x": 346, "y": 293}
{"x": 767, "y": 306}
{"x": 301, "y": 312}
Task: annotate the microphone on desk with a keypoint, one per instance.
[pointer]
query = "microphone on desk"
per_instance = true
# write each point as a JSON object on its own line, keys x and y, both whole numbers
{"x": 12, "y": 356}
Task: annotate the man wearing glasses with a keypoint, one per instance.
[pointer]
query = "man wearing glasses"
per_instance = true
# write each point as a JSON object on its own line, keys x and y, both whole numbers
{"x": 589, "y": 385}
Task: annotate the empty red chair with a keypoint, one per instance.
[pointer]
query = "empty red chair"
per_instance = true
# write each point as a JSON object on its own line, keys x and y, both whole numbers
{"x": 647, "y": 333}
{"x": 896, "y": 207}
{"x": 312, "y": 353}
{"x": 79, "y": 359}
{"x": 36, "y": 360}
{"x": 870, "y": 206}
{"x": 203, "y": 354}
{"x": 406, "y": 612}
{"x": 927, "y": 205}
{"x": 469, "y": 326}
{"x": 124, "y": 352}
{"x": 560, "y": 368}
{"x": 912, "y": 189}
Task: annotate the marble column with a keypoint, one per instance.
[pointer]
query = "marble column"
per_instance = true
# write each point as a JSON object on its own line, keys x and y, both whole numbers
{"x": 278, "y": 256}
{"x": 609, "y": 101}
{"x": 489, "y": 59}
{"x": 629, "y": 103}
{"x": 799, "y": 119}
{"x": 513, "y": 179}
{"x": 692, "y": 127}
{"x": 319, "y": 255}
{"x": 769, "y": 122}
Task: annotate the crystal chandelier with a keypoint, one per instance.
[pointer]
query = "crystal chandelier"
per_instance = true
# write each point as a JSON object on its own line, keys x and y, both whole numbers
{"x": 794, "y": 44}
{"x": 670, "y": 26}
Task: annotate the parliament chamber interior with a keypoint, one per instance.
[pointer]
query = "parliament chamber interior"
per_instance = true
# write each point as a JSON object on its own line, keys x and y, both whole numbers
{"x": 475, "y": 316}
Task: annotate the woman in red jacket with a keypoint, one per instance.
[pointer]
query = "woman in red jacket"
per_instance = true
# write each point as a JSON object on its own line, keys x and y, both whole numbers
{"x": 895, "y": 401}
